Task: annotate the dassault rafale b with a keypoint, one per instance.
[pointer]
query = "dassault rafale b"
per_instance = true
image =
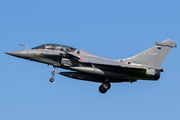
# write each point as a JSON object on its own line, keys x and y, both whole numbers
{"x": 85, "y": 66}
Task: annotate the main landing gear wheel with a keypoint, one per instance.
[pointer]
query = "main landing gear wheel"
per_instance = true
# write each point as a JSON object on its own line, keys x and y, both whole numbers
{"x": 104, "y": 87}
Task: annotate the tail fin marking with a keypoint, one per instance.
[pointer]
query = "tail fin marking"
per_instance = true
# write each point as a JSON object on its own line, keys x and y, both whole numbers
{"x": 155, "y": 55}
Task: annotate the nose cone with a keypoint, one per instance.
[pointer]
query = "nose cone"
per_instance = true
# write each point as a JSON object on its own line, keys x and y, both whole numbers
{"x": 20, "y": 54}
{"x": 14, "y": 53}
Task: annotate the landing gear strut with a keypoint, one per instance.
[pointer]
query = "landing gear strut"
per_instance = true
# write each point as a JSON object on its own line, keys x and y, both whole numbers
{"x": 104, "y": 87}
{"x": 53, "y": 74}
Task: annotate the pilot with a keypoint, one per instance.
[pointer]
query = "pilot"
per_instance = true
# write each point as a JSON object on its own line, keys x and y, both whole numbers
{"x": 48, "y": 46}
{"x": 67, "y": 49}
{"x": 53, "y": 47}
{"x": 71, "y": 50}
{"x": 61, "y": 49}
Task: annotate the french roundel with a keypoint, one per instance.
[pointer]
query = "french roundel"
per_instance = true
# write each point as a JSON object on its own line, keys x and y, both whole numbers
{"x": 81, "y": 58}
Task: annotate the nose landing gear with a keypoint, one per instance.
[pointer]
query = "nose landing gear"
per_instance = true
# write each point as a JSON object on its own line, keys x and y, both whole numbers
{"x": 53, "y": 74}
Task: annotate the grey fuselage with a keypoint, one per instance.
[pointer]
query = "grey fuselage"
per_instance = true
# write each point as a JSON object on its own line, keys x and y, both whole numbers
{"x": 85, "y": 66}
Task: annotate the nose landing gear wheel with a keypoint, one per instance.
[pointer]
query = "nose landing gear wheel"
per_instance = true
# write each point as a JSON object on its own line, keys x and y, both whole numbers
{"x": 51, "y": 79}
{"x": 53, "y": 74}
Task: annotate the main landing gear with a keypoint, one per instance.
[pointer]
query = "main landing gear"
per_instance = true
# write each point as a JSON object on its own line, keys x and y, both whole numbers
{"x": 53, "y": 74}
{"x": 104, "y": 87}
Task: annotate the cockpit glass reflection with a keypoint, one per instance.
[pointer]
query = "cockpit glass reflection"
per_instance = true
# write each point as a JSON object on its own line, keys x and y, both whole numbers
{"x": 56, "y": 47}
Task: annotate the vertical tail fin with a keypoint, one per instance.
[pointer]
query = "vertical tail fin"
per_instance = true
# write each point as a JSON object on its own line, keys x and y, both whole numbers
{"x": 155, "y": 55}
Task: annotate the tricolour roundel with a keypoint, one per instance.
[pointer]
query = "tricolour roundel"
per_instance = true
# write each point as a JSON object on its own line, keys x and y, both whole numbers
{"x": 81, "y": 58}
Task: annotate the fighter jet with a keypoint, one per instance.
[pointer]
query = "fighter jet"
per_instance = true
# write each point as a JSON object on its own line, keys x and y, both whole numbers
{"x": 89, "y": 67}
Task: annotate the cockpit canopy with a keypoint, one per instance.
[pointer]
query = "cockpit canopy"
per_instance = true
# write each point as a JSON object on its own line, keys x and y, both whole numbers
{"x": 55, "y": 47}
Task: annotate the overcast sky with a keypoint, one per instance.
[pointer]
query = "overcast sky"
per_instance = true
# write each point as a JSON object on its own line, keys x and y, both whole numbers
{"x": 114, "y": 29}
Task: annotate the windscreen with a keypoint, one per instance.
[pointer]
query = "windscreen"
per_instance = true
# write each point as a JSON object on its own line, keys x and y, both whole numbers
{"x": 39, "y": 47}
